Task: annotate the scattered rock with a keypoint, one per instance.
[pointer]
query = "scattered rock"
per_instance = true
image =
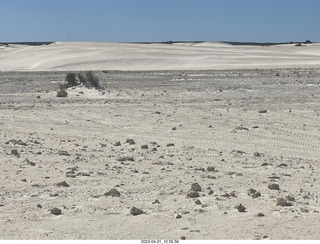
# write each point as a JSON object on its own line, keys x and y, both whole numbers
{"x": 253, "y": 193}
{"x": 273, "y": 187}
{"x": 16, "y": 142}
{"x": 239, "y": 128}
{"x": 29, "y": 162}
{"x": 193, "y": 194}
{"x": 62, "y": 93}
{"x": 195, "y": 187}
{"x": 290, "y": 198}
{"x": 262, "y": 111}
{"x": 225, "y": 195}
{"x": 144, "y": 147}
{"x": 113, "y": 193}
{"x": 156, "y": 201}
{"x": 130, "y": 141}
{"x": 83, "y": 174}
{"x": 122, "y": 159}
{"x": 210, "y": 169}
{"x": 282, "y": 165}
{"x": 117, "y": 144}
{"x": 136, "y": 211}
{"x": 240, "y": 207}
{"x": 15, "y": 153}
{"x": 64, "y": 153}
{"x": 283, "y": 202}
{"x": 256, "y": 154}
{"x": 197, "y": 202}
{"x": 63, "y": 183}
{"x": 56, "y": 211}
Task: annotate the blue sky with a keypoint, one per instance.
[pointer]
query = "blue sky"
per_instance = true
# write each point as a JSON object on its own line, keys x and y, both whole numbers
{"x": 159, "y": 20}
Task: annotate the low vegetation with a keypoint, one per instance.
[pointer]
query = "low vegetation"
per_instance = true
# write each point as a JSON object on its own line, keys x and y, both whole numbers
{"x": 87, "y": 79}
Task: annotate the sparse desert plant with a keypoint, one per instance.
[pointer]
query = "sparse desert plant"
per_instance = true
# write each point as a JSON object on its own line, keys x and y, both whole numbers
{"x": 92, "y": 79}
{"x": 82, "y": 78}
{"x": 71, "y": 80}
{"x": 89, "y": 79}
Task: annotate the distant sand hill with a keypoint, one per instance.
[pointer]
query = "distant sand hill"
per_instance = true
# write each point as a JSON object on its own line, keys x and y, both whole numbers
{"x": 62, "y": 56}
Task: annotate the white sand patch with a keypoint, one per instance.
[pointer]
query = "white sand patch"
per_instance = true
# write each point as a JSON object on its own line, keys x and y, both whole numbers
{"x": 62, "y": 56}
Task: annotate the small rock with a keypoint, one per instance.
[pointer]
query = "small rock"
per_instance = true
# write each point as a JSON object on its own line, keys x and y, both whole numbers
{"x": 83, "y": 174}
{"x": 130, "y": 141}
{"x": 193, "y": 194}
{"x": 260, "y": 215}
{"x": 39, "y": 206}
{"x": 29, "y": 162}
{"x": 210, "y": 169}
{"x": 183, "y": 238}
{"x": 24, "y": 180}
{"x": 56, "y": 211}
{"x": 62, "y": 93}
{"x": 282, "y": 202}
{"x": 264, "y": 164}
{"x": 273, "y": 187}
{"x": 113, "y": 193}
{"x": 15, "y": 153}
{"x": 144, "y": 147}
{"x": 240, "y": 207}
{"x": 225, "y": 195}
{"x": 197, "y": 202}
{"x": 64, "y": 153}
{"x": 156, "y": 201}
{"x": 210, "y": 192}
{"x": 117, "y": 144}
{"x": 256, "y": 154}
{"x": 170, "y": 145}
{"x": 195, "y": 187}
{"x": 290, "y": 198}
{"x": 136, "y": 211}
{"x": 178, "y": 216}
{"x": 253, "y": 193}
{"x": 122, "y": 159}
{"x": 174, "y": 128}
{"x": 262, "y": 111}
{"x": 282, "y": 165}
{"x": 63, "y": 183}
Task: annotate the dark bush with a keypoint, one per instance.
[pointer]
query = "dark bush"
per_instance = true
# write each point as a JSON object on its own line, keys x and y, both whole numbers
{"x": 89, "y": 79}
{"x": 71, "y": 80}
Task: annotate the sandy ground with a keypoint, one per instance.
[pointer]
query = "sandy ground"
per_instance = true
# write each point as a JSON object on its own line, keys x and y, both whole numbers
{"x": 205, "y": 127}
{"x": 61, "y": 56}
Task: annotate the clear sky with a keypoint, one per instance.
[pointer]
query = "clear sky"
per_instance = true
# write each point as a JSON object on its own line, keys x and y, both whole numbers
{"x": 160, "y": 20}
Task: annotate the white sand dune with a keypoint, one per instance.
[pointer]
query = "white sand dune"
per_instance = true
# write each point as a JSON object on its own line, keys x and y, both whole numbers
{"x": 63, "y": 56}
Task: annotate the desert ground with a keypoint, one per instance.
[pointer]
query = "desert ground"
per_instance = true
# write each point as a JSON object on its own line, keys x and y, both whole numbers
{"x": 186, "y": 147}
